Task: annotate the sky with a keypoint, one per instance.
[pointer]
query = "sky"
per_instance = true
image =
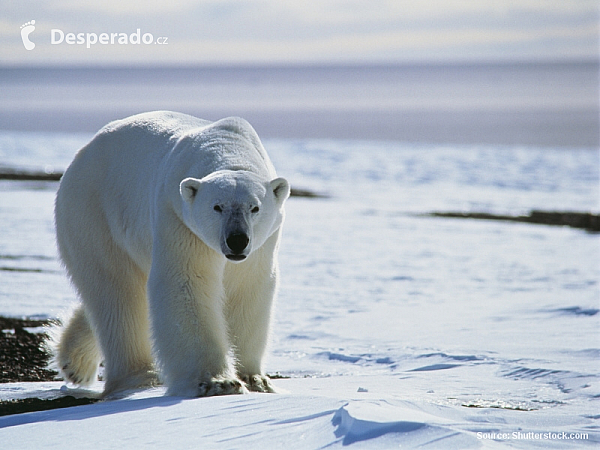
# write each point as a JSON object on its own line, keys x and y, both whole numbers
{"x": 292, "y": 31}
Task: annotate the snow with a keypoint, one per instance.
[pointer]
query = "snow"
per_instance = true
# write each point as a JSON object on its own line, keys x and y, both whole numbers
{"x": 316, "y": 413}
{"x": 396, "y": 330}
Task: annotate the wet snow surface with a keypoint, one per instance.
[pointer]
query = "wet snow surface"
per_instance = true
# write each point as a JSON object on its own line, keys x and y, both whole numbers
{"x": 397, "y": 330}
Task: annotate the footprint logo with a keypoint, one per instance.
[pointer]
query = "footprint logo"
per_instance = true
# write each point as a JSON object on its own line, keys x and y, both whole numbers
{"x": 26, "y": 30}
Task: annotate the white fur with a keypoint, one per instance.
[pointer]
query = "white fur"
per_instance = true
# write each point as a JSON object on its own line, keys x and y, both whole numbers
{"x": 145, "y": 218}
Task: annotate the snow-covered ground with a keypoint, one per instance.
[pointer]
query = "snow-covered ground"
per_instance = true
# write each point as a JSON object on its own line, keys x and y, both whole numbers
{"x": 368, "y": 411}
{"x": 397, "y": 330}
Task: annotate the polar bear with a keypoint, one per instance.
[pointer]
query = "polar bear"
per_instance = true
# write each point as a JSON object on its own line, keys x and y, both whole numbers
{"x": 168, "y": 227}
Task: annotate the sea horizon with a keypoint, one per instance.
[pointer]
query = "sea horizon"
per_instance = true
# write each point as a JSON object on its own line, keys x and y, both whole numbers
{"x": 539, "y": 103}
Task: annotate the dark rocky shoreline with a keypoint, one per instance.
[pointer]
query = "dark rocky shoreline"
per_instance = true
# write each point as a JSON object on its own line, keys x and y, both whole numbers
{"x": 24, "y": 358}
{"x": 24, "y": 175}
{"x": 583, "y": 220}
{"x": 586, "y": 221}
{"x": 22, "y": 353}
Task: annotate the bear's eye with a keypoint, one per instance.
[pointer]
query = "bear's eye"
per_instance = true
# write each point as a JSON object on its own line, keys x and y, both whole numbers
{"x": 217, "y": 208}
{"x": 255, "y": 210}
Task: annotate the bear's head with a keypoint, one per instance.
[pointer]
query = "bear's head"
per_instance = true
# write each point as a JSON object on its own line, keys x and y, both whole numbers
{"x": 233, "y": 212}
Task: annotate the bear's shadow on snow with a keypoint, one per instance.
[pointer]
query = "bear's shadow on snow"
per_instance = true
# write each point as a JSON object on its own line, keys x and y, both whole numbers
{"x": 90, "y": 411}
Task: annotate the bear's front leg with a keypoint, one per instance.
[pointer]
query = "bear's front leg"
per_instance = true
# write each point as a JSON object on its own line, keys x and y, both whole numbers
{"x": 250, "y": 289}
{"x": 190, "y": 332}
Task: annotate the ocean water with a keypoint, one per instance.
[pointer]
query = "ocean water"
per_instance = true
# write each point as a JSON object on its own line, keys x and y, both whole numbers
{"x": 543, "y": 104}
{"x": 464, "y": 313}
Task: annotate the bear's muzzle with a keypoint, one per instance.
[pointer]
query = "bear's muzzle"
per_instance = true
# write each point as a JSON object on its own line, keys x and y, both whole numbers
{"x": 237, "y": 243}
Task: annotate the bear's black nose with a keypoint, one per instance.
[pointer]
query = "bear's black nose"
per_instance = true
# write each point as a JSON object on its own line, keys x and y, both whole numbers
{"x": 237, "y": 242}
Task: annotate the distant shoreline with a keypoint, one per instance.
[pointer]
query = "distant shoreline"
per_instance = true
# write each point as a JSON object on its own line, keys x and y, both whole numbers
{"x": 294, "y": 66}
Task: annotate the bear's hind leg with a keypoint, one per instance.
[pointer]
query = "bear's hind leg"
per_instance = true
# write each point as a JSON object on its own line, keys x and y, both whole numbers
{"x": 113, "y": 291}
{"x": 77, "y": 353}
{"x": 119, "y": 314}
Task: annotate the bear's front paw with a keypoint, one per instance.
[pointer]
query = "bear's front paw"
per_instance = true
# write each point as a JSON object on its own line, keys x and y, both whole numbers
{"x": 221, "y": 386}
{"x": 258, "y": 383}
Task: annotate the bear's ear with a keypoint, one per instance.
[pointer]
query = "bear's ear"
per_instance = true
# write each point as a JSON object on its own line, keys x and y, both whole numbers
{"x": 188, "y": 189}
{"x": 281, "y": 189}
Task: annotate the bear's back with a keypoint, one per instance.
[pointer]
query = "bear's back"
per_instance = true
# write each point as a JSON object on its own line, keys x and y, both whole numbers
{"x": 113, "y": 178}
